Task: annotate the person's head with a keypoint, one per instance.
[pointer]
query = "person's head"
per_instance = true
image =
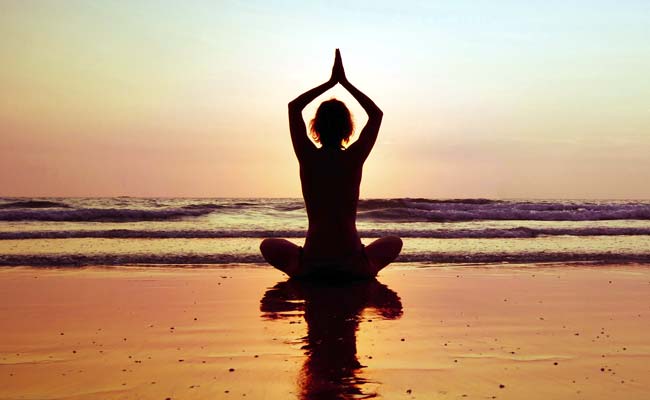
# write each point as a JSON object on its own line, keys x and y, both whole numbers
{"x": 332, "y": 126}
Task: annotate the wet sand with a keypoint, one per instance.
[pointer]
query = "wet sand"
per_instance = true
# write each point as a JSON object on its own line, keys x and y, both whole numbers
{"x": 506, "y": 332}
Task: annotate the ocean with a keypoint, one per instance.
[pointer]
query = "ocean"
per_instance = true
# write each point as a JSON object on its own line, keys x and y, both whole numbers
{"x": 184, "y": 232}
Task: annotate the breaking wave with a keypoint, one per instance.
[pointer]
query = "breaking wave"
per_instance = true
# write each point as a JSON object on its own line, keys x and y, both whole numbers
{"x": 102, "y": 214}
{"x": 506, "y": 233}
{"x": 422, "y": 210}
{"x": 379, "y": 210}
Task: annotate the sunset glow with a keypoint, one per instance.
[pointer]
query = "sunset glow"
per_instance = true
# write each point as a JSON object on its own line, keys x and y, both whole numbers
{"x": 481, "y": 99}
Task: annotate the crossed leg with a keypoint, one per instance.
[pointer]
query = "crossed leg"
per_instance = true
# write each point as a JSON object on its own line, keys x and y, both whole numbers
{"x": 282, "y": 254}
{"x": 285, "y": 256}
{"x": 382, "y": 252}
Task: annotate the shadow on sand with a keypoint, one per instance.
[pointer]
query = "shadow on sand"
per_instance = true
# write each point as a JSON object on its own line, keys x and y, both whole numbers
{"x": 332, "y": 312}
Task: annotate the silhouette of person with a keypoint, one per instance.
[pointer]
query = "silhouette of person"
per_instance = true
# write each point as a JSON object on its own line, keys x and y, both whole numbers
{"x": 331, "y": 370}
{"x": 330, "y": 178}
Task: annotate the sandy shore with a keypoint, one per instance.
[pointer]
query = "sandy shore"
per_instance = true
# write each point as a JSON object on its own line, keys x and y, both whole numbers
{"x": 552, "y": 332}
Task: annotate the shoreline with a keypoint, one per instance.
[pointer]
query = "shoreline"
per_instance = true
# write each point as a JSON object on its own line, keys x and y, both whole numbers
{"x": 397, "y": 265}
{"x": 541, "y": 331}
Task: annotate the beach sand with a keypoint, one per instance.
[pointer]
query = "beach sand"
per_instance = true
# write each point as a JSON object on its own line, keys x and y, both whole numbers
{"x": 506, "y": 332}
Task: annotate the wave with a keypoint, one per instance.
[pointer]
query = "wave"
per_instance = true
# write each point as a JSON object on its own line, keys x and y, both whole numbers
{"x": 507, "y": 233}
{"x": 79, "y": 260}
{"x": 375, "y": 210}
{"x": 102, "y": 214}
{"x": 34, "y": 204}
{"x": 405, "y": 210}
{"x": 203, "y": 206}
{"x": 375, "y": 204}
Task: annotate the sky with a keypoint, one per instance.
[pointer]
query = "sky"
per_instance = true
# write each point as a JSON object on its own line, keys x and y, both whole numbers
{"x": 497, "y": 99}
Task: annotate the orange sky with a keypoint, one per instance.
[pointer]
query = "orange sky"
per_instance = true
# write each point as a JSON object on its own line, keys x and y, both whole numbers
{"x": 480, "y": 99}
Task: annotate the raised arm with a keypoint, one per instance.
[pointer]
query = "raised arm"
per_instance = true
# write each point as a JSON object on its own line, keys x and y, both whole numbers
{"x": 301, "y": 143}
{"x": 369, "y": 132}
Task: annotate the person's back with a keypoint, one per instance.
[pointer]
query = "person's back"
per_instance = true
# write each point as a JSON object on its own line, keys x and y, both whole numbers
{"x": 330, "y": 186}
{"x": 330, "y": 178}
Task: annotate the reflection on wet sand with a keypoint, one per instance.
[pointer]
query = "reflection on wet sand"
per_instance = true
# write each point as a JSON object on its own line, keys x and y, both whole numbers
{"x": 332, "y": 312}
